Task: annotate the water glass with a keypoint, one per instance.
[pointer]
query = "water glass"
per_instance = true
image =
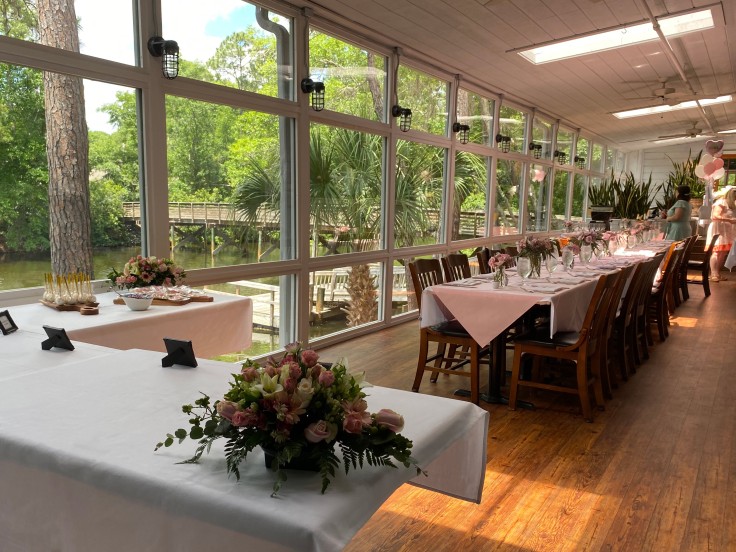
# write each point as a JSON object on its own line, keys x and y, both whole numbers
{"x": 550, "y": 264}
{"x": 586, "y": 253}
{"x": 568, "y": 258}
{"x": 523, "y": 267}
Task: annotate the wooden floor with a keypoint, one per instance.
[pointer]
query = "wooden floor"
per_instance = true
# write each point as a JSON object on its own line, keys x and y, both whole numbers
{"x": 655, "y": 471}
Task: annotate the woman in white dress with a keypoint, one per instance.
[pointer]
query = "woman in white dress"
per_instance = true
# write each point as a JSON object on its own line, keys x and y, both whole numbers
{"x": 722, "y": 222}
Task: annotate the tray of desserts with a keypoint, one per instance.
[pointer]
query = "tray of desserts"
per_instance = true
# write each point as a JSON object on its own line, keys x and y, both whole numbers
{"x": 170, "y": 296}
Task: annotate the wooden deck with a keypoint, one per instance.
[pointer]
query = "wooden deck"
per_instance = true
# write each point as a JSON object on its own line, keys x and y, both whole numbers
{"x": 655, "y": 471}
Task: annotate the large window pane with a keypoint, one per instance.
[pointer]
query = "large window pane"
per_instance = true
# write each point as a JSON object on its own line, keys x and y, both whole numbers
{"x": 582, "y": 157}
{"x": 536, "y": 199}
{"x": 112, "y": 169}
{"x": 597, "y": 158}
{"x": 345, "y": 191}
{"x": 564, "y": 145}
{"x": 230, "y": 184}
{"x": 354, "y": 78}
{"x": 610, "y": 158}
{"x": 470, "y": 199}
{"x": 542, "y": 136}
{"x": 426, "y": 96}
{"x": 420, "y": 171}
{"x": 508, "y": 185}
{"x": 232, "y": 45}
{"x": 579, "y": 191}
{"x": 560, "y": 189}
{"x": 513, "y": 125}
{"x": 476, "y": 112}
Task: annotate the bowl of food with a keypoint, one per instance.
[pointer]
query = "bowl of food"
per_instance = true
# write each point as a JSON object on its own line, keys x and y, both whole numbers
{"x": 137, "y": 301}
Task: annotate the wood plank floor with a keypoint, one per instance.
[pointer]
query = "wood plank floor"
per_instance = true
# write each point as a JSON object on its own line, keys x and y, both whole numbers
{"x": 655, "y": 471}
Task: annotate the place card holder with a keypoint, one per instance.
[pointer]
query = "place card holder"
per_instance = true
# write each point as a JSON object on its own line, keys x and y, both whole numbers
{"x": 179, "y": 352}
{"x": 57, "y": 338}
{"x": 7, "y": 326}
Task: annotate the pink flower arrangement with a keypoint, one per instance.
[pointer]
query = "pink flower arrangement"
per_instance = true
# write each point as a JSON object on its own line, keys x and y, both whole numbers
{"x": 587, "y": 237}
{"x": 296, "y": 408}
{"x": 147, "y": 271}
{"x": 537, "y": 247}
{"x": 502, "y": 260}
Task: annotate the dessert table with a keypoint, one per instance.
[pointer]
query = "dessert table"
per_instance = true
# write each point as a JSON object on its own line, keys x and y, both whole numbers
{"x": 79, "y": 472}
{"x": 218, "y": 327}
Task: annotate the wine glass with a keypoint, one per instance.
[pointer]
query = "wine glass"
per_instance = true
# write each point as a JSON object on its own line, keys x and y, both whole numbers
{"x": 550, "y": 263}
{"x": 586, "y": 253}
{"x": 523, "y": 268}
{"x": 568, "y": 258}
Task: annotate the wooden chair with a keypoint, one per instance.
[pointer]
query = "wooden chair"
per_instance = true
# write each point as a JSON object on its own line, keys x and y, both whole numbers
{"x": 699, "y": 261}
{"x": 642, "y": 334}
{"x": 677, "y": 297}
{"x": 659, "y": 311}
{"x": 582, "y": 348}
{"x": 608, "y": 379}
{"x": 483, "y": 255}
{"x": 455, "y": 348}
{"x": 622, "y": 342}
{"x": 456, "y": 266}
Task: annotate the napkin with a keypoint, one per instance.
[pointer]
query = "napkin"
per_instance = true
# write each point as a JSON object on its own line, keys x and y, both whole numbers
{"x": 545, "y": 288}
{"x": 464, "y": 283}
{"x": 569, "y": 280}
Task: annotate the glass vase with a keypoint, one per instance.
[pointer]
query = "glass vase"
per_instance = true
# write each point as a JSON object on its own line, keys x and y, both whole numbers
{"x": 536, "y": 263}
{"x": 500, "y": 278}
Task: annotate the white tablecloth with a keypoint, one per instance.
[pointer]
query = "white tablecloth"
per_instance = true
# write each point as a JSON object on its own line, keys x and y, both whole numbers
{"x": 222, "y": 326}
{"x": 78, "y": 471}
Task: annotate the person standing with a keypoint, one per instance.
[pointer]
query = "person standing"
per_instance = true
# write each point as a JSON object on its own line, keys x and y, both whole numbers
{"x": 678, "y": 216}
{"x": 722, "y": 222}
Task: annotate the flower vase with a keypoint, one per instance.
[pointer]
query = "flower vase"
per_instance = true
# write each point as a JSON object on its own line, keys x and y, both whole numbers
{"x": 500, "y": 278}
{"x": 305, "y": 461}
{"x": 536, "y": 263}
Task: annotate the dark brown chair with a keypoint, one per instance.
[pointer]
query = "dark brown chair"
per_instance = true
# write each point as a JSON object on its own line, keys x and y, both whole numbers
{"x": 659, "y": 311}
{"x": 608, "y": 379}
{"x": 699, "y": 262}
{"x": 681, "y": 292}
{"x": 676, "y": 298}
{"x": 581, "y": 348}
{"x": 643, "y": 338}
{"x": 483, "y": 255}
{"x": 622, "y": 341}
{"x": 455, "y": 348}
{"x": 456, "y": 266}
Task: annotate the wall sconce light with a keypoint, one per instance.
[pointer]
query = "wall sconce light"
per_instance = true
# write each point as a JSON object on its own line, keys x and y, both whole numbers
{"x": 504, "y": 143}
{"x": 535, "y": 150}
{"x": 317, "y": 90}
{"x": 579, "y": 162}
{"x": 463, "y": 132}
{"x": 168, "y": 50}
{"x": 561, "y": 156}
{"x": 404, "y": 114}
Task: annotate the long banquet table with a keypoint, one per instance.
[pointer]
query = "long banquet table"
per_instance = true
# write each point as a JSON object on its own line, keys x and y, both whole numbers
{"x": 78, "y": 471}
{"x": 218, "y": 327}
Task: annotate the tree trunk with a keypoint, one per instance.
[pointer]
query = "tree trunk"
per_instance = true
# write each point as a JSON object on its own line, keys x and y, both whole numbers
{"x": 66, "y": 146}
{"x": 375, "y": 88}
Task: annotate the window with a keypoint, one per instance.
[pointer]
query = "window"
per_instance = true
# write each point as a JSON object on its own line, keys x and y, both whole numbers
{"x": 597, "y": 159}
{"x": 542, "y": 136}
{"x": 239, "y": 45}
{"x": 476, "y": 112}
{"x": 470, "y": 198}
{"x": 346, "y": 191}
{"x": 354, "y": 78}
{"x": 560, "y": 190}
{"x": 426, "y": 96}
{"x": 513, "y": 124}
{"x": 610, "y": 158}
{"x": 582, "y": 153}
{"x": 508, "y": 186}
{"x": 536, "y": 199}
{"x": 420, "y": 172}
{"x": 564, "y": 144}
{"x": 579, "y": 193}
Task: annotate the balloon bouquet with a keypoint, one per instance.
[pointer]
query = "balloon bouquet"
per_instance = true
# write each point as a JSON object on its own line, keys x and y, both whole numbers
{"x": 709, "y": 169}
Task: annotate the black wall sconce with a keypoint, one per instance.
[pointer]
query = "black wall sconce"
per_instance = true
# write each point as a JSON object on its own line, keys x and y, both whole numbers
{"x": 561, "y": 156}
{"x": 404, "y": 114}
{"x": 580, "y": 162}
{"x": 463, "y": 132}
{"x": 317, "y": 90}
{"x": 504, "y": 142}
{"x": 168, "y": 50}
{"x": 535, "y": 150}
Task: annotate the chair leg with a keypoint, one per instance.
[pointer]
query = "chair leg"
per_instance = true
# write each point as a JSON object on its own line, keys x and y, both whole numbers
{"x": 422, "y": 361}
{"x": 706, "y": 282}
{"x": 447, "y": 358}
{"x": 582, "y": 373}
{"x": 474, "y": 374}
{"x": 514, "y": 386}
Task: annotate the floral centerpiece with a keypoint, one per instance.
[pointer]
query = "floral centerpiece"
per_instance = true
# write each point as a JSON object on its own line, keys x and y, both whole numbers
{"x": 147, "y": 271}
{"x": 587, "y": 237}
{"x": 537, "y": 250}
{"x": 298, "y": 411}
{"x": 498, "y": 264}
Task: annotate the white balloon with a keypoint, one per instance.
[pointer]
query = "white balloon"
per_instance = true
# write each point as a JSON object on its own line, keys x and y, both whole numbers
{"x": 718, "y": 174}
{"x": 700, "y": 171}
{"x": 705, "y": 159}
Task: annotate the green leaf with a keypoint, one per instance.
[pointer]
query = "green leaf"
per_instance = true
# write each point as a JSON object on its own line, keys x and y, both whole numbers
{"x": 180, "y": 434}
{"x": 196, "y": 433}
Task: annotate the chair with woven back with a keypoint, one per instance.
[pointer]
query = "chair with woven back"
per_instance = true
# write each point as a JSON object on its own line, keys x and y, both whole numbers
{"x": 699, "y": 262}
{"x": 455, "y": 266}
{"x": 456, "y": 349}
{"x": 581, "y": 348}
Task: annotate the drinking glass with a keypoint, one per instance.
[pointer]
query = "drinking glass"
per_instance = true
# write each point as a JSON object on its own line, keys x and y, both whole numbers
{"x": 586, "y": 253}
{"x": 568, "y": 258}
{"x": 523, "y": 268}
{"x": 550, "y": 263}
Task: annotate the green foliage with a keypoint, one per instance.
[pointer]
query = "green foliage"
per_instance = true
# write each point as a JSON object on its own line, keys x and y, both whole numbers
{"x": 106, "y": 204}
{"x": 681, "y": 174}
{"x": 602, "y": 195}
{"x": 632, "y": 199}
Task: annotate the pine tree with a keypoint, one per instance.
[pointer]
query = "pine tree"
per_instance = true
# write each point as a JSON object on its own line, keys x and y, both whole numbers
{"x": 362, "y": 306}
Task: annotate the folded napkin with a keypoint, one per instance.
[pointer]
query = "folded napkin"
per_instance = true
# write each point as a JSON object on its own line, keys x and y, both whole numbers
{"x": 586, "y": 273}
{"x": 545, "y": 288}
{"x": 464, "y": 283}
{"x": 570, "y": 280}
{"x": 483, "y": 277}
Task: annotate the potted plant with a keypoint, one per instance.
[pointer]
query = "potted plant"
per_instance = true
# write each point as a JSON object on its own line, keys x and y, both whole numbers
{"x": 683, "y": 174}
{"x": 601, "y": 199}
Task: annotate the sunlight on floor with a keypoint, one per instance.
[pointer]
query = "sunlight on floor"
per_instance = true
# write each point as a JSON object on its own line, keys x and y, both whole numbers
{"x": 685, "y": 322}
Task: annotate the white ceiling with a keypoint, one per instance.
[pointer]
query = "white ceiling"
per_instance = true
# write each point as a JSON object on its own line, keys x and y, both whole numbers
{"x": 473, "y": 37}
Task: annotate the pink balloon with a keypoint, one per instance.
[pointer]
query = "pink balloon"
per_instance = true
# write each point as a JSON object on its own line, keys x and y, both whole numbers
{"x": 714, "y": 147}
{"x": 710, "y": 168}
{"x": 718, "y": 163}
{"x": 718, "y": 174}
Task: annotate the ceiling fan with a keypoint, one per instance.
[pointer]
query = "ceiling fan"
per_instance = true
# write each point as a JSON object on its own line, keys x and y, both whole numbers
{"x": 692, "y": 132}
{"x": 665, "y": 93}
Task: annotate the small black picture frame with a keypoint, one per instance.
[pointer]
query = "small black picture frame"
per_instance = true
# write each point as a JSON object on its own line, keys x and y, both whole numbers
{"x": 7, "y": 326}
{"x": 57, "y": 338}
{"x": 180, "y": 352}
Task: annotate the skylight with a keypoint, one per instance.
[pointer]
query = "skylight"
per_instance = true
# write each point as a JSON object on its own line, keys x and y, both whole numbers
{"x": 664, "y": 108}
{"x": 623, "y": 36}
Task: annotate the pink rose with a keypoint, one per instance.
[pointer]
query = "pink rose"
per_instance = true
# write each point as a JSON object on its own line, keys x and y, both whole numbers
{"x": 290, "y": 385}
{"x": 295, "y": 370}
{"x": 309, "y": 358}
{"x": 227, "y": 409}
{"x": 390, "y": 419}
{"x": 353, "y": 422}
{"x": 326, "y": 378}
{"x": 270, "y": 370}
{"x": 316, "y": 370}
{"x": 320, "y": 431}
{"x": 249, "y": 373}
{"x": 246, "y": 417}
